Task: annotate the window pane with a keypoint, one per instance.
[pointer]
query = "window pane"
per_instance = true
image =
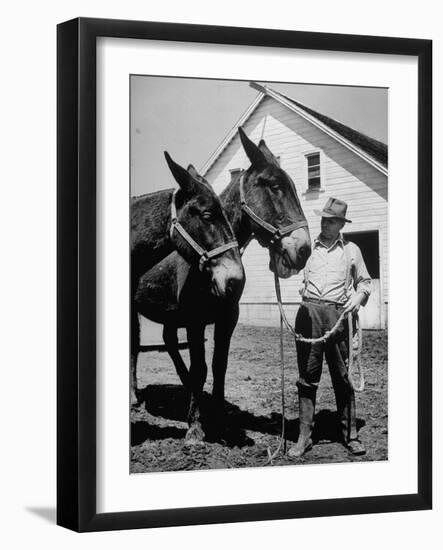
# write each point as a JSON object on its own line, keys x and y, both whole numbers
{"x": 313, "y": 159}
{"x": 314, "y": 172}
{"x": 314, "y": 183}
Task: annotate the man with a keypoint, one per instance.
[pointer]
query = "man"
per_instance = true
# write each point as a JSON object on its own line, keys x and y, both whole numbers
{"x": 336, "y": 280}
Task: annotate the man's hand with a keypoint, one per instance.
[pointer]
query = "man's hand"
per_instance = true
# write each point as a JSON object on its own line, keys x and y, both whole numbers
{"x": 354, "y": 303}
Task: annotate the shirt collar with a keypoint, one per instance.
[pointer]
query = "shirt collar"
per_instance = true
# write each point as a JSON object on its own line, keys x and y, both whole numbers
{"x": 339, "y": 241}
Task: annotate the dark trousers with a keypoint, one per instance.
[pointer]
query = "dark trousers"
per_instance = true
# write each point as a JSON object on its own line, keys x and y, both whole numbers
{"x": 312, "y": 321}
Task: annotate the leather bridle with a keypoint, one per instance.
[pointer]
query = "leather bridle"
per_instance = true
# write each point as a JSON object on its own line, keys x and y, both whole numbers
{"x": 277, "y": 233}
{"x": 204, "y": 255}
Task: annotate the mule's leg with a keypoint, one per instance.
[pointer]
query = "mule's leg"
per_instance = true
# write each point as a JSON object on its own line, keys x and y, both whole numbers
{"x": 224, "y": 327}
{"x": 197, "y": 376}
{"x": 171, "y": 341}
{"x": 135, "y": 347}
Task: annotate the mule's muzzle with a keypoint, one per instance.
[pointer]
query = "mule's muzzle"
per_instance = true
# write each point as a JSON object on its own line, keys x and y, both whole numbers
{"x": 296, "y": 248}
{"x": 302, "y": 255}
{"x": 291, "y": 253}
{"x": 227, "y": 277}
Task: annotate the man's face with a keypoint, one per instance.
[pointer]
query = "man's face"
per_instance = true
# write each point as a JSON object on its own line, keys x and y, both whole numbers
{"x": 331, "y": 227}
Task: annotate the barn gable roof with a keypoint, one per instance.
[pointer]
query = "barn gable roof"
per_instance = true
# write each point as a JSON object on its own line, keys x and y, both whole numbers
{"x": 377, "y": 149}
{"x": 373, "y": 151}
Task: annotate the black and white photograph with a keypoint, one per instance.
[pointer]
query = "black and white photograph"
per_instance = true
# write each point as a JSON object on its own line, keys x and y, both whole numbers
{"x": 259, "y": 274}
{"x": 221, "y": 275}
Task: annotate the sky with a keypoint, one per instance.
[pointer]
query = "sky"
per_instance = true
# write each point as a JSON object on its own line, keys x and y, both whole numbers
{"x": 190, "y": 117}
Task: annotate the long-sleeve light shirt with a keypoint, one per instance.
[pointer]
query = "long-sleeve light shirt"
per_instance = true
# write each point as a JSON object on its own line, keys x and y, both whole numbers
{"x": 334, "y": 273}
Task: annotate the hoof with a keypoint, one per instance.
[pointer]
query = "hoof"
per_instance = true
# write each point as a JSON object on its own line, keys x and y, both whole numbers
{"x": 194, "y": 436}
{"x": 137, "y": 409}
{"x": 136, "y": 401}
{"x": 300, "y": 448}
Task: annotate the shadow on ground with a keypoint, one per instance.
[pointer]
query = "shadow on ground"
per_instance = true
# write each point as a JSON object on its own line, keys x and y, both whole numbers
{"x": 171, "y": 401}
{"x": 141, "y": 431}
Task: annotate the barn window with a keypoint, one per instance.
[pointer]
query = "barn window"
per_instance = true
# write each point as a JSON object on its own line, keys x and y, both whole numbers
{"x": 368, "y": 243}
{"x": 313, "y": 165}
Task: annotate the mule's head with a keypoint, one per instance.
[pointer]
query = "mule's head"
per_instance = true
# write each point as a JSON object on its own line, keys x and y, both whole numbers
{"x": 270, "y": 193}
{"x": 200, "y": 213}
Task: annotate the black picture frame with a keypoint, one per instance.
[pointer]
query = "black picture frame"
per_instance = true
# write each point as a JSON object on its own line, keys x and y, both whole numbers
{"x": 76, "y": 265}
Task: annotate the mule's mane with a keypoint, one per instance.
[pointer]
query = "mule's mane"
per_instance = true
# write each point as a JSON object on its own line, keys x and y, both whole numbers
{"x": 136, "y": 198}
{"x": 230, "y": 199}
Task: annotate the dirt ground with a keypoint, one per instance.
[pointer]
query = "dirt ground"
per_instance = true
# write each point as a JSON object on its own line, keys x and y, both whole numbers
{"x": 253, "y": 405}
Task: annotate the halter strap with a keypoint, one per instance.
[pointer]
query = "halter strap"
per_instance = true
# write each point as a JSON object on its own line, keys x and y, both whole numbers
{"x": 204, "y": 255}
{"x": 277, "y": 233}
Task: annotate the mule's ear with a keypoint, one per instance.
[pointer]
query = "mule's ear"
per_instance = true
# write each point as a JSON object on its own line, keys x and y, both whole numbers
{"x": 181, "y": 176}
{"x": 256, "y": 157}
{"x": 267, "y": 152}
{"x": 193, "y": 171}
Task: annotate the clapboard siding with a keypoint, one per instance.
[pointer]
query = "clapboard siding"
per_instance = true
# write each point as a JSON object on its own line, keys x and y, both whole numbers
{"x": 344, "y": 174}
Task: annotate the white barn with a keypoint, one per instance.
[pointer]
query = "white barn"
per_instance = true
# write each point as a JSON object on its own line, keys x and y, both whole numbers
{"x": 324, "y": 159}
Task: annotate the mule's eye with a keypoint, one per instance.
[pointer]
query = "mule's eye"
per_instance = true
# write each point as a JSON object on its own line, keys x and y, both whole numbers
{"x": 274, "y": 187}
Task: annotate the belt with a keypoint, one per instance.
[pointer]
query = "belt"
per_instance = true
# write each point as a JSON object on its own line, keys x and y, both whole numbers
{"x": 322, "y": 302}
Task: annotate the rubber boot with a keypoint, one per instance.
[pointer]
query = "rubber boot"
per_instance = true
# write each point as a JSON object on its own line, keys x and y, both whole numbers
{"x": 306, "y": 403}
{"x": 348, "y": 425}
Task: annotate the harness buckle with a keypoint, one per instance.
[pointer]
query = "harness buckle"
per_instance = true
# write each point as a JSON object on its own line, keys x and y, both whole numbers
{"x": 204, "y": 258}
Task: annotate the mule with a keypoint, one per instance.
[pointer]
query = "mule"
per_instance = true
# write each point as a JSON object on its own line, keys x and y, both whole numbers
{"x": 261, "y": 203}
{"x": 192, "y": 221}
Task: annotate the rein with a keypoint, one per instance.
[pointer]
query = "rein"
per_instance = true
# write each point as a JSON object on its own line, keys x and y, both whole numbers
{"x": 204, "y": 255}
{"x": 276, "y": 233}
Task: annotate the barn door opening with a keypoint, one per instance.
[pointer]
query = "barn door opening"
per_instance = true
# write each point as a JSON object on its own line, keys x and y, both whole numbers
{"x": 368, "y": 242}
